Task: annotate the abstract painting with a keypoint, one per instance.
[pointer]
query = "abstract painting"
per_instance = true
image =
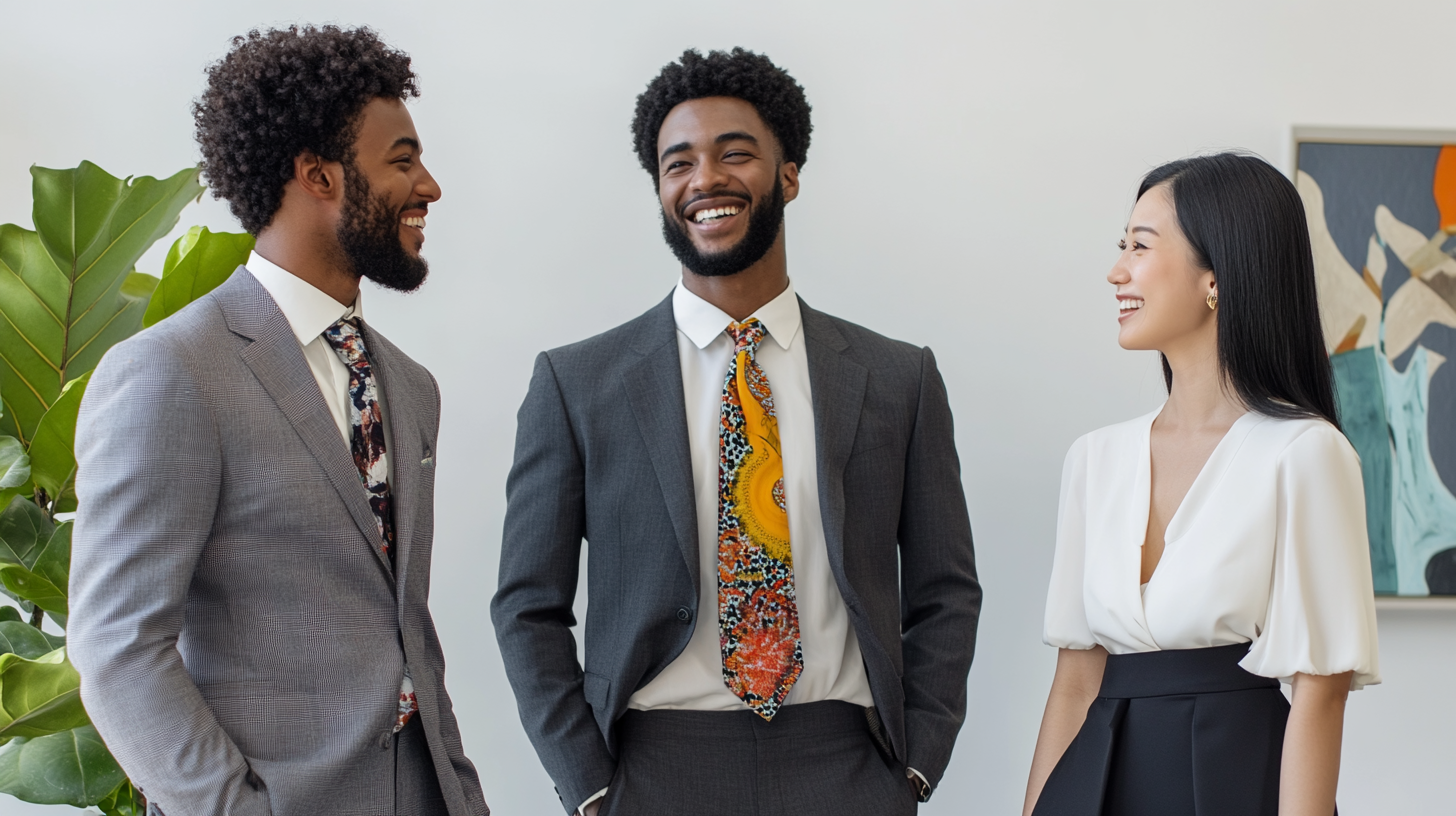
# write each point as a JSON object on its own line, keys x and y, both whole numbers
{"x": 1382, "y": 219}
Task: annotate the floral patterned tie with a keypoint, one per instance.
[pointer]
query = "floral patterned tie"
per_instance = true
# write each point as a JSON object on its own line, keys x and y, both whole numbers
{"x": 366, "y": 439}
{"x": 758, "y": 617}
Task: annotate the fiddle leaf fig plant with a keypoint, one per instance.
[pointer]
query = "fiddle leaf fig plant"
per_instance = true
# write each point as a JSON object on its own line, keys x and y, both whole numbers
{"x": 69, "y": 291}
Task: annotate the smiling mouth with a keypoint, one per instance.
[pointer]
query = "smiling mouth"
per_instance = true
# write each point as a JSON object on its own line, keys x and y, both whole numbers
{"x": 414, "y": 221}
{"x": 1126, "y": 306}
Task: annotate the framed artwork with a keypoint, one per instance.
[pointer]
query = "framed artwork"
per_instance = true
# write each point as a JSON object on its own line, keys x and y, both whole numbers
{"x": 1381, "y": 207}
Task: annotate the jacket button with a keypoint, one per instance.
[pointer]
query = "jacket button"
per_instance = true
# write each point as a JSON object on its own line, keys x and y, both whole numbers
{"x": 386, "y": 739}
{"x": 684, "y": 614}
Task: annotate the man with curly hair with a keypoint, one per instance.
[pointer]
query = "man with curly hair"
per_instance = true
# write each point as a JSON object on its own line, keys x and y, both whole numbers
{"x": 252, "y": 557}
{"x": 781, "y": 595}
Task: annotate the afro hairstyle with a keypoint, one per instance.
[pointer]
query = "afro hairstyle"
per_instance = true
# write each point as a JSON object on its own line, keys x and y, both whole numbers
{"x": 738, "y": 73}
{"x": 281, "y": 92}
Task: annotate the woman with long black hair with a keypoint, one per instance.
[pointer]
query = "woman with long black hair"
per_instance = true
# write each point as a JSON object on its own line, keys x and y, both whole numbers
{"x": 1216, "y": 546}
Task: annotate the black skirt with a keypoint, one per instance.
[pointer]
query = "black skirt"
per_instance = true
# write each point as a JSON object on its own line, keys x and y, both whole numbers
{"x": 1174, "y": 733}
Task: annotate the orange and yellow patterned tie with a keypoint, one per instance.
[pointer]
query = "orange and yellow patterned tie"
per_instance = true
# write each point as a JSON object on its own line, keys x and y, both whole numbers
{"x": 758, "y": 618}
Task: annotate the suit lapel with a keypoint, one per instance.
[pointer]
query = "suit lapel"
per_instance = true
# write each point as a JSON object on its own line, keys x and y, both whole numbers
{"x": 398, "y": 399}
{"x": 837, "y": 385}
{"x": 277, "y": 361}
{"x": 655, "y": 391}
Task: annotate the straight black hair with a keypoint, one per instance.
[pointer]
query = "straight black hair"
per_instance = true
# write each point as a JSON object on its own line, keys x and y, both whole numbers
{"x": 1246, "y": 224}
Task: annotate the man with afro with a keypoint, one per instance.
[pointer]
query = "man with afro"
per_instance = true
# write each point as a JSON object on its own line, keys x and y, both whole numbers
{"x": 781, "y": 595}
{"x": 252, "y": 556}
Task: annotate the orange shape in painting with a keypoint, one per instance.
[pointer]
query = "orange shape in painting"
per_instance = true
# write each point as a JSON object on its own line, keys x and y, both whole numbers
{"x": 1444, "y": 187}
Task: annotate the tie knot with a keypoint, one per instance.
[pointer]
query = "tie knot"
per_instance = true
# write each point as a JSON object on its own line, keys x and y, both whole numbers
{"x": 746, "y": 335}
{"x": 346, "y": 338}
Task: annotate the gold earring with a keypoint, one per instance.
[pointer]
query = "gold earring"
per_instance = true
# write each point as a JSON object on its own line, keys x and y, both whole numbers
{"x": 1212, "y": 300}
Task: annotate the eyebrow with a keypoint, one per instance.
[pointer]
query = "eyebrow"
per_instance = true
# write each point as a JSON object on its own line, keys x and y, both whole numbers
{"x": 731, "y": 136}
{"x": 734, "y": 136}
{"x": 1148, "y": 230}
{"x": 406, "y": 140}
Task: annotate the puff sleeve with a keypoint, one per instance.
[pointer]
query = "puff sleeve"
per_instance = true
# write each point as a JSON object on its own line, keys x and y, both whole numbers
{"x": 1321, "y": 615}
{"x": 1066, "y": 614}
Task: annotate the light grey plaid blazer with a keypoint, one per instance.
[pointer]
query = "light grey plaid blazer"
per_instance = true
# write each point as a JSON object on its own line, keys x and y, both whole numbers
{"x": 240, "y": 636}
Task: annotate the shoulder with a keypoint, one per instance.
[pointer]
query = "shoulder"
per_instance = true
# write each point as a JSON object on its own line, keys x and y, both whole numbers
{"x": 1305, "y": 442}
{"x": 1128, "y": 433}
{"x": 865, "y": 344}
{"x": 182, "y": 342}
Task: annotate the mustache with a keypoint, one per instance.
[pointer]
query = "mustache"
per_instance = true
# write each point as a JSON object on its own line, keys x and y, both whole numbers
{"x": 416, "y": 205}
{"x": 682, "y": 212}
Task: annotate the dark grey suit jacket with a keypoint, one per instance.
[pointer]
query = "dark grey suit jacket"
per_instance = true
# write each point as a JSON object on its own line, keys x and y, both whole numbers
{"x": 602, "y": 454}
{"x": 240, "y": 636}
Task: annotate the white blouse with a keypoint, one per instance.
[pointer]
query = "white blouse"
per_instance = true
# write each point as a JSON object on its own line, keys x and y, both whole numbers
{"x": 1268, "y": 546}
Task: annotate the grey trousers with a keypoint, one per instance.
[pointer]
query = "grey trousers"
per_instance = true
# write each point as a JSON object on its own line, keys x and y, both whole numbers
{"x": 815, "y": 759}
{"x": 416, "y": 785}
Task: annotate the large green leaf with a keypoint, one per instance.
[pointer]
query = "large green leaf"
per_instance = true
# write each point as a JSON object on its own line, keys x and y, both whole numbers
{"x": 53, "y": 448}
{"x": 14, "y": 463}
{"x": 39, "y": 696}
{"x": 28, "y": 586}
{"x": 197, "y": 263}
{"x": 124, "y": 801}
{"x": 69, "y": 768}
{"x": 24, "y": 531}
{"x": 67, "y": 292}
{"x": 17, "y": 637}
{"x": 45, "y": 581}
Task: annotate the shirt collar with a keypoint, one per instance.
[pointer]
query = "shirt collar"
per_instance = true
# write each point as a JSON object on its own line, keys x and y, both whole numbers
{"x": 308, "y": 310}
{"x": 703, "y": 322}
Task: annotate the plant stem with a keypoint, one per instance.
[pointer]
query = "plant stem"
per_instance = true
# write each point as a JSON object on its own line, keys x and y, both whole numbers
{"x": 37, "y": 617}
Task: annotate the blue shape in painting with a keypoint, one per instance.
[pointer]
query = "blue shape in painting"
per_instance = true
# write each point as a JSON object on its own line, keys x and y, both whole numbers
{"x": 1423, "y": 517}
{"x": 1361, "y": 398}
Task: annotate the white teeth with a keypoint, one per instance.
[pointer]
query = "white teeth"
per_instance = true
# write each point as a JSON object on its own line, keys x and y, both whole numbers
{"x": 413, "y": 222}
{"x": 1129, "y": 305}
{"x": 707, "y": 215}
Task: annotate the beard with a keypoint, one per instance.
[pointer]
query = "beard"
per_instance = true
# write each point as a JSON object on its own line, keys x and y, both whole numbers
{"x": 764, "y": 223}
{"x": 368, "y": 234}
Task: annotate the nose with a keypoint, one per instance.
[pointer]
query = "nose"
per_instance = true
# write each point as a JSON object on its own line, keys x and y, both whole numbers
{"x": 1119, "y": 274}
{"x": 708, "y": 176}
{"x": 426, "y": 187}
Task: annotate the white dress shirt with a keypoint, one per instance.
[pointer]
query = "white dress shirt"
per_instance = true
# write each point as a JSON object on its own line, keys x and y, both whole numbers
{"x": 1268, "y": 547}
{"x": 310, "y": 312}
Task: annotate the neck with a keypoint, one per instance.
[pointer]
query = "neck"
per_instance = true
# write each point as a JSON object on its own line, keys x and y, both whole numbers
{"x": 741, "y": 294}
{"x": 316, "y": 259}
{"x": 1199, "y": 397}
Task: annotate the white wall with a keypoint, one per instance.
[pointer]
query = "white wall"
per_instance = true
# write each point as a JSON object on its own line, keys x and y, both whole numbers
{"x": 971, "y": 169}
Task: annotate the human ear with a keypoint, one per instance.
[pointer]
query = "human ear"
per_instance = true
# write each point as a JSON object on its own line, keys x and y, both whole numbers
{"x": 317, "y": 177}
{"x": 789, "y": 178}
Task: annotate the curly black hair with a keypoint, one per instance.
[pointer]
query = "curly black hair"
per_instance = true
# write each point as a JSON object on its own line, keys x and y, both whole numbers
{"x": 281, "y": 92}
{"x": 738, "y": 73}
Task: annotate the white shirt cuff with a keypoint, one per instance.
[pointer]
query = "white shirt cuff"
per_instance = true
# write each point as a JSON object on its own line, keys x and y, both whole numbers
{"x": 599, "y": 794}
{"x": 918, "y": 775}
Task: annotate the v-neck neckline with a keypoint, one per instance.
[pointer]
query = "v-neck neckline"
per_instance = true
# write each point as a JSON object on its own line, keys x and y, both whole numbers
{"x": 1207, "y": 480}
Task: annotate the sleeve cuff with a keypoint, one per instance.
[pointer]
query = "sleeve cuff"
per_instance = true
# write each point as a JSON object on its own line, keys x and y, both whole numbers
{"x": 922, "y": 784}
{"x": 581, "y": 811}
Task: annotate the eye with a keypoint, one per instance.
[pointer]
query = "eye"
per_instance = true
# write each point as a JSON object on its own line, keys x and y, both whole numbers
{"x": 677, "y": 165}
{"x": 404, "y": 160}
